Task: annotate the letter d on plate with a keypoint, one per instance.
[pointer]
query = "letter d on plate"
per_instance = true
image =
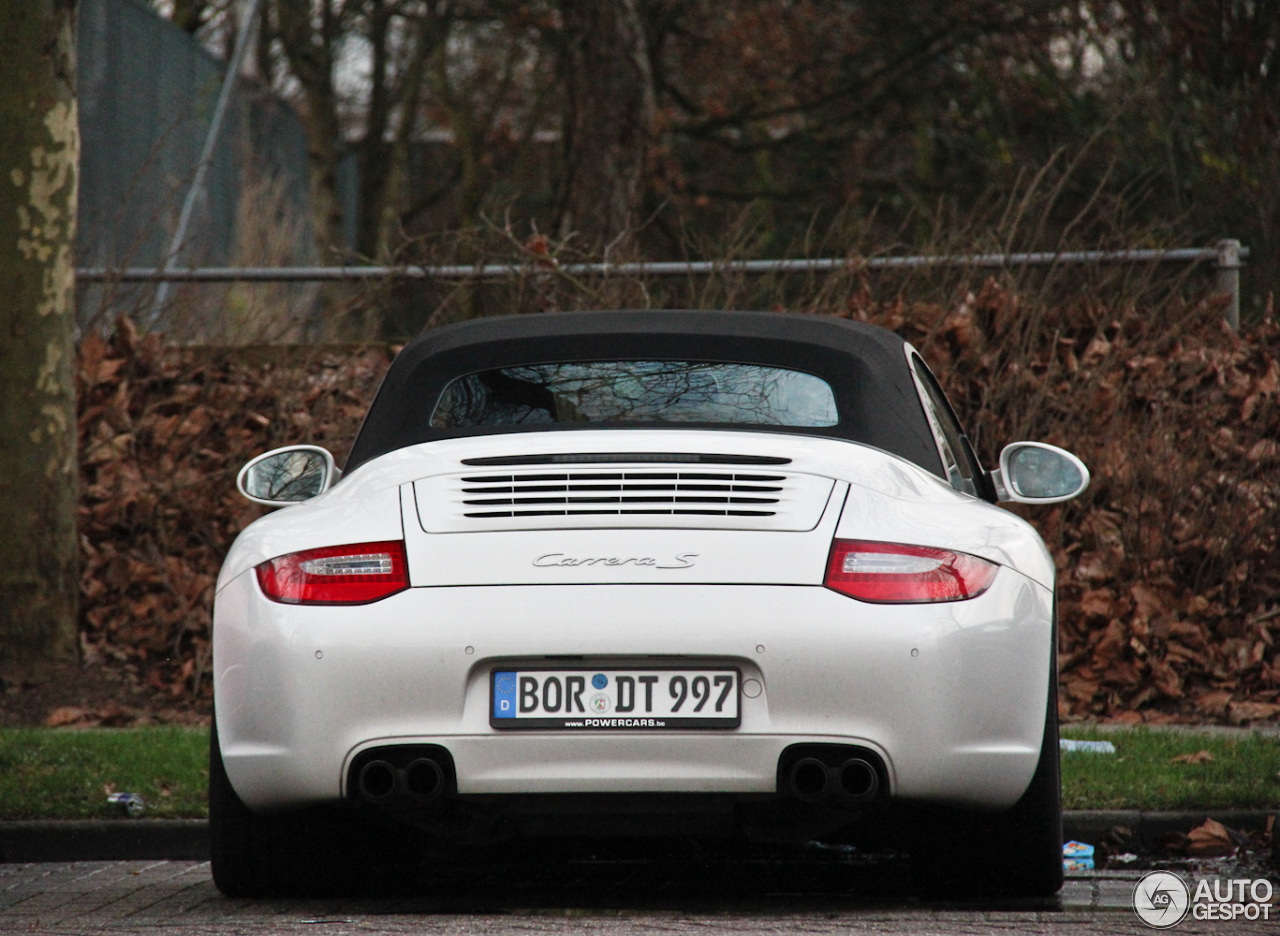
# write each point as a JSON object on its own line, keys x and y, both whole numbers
{"x": 504, "y": 695}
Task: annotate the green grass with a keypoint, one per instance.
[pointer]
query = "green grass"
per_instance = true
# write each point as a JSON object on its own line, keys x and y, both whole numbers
{"x": 1142, "y": 774}
{"x": 59, "y": 773}
{"x": 64, "y": 774}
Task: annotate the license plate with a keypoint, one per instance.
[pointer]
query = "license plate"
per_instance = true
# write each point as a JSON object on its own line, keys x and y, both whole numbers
{"x": 613, "y": 699}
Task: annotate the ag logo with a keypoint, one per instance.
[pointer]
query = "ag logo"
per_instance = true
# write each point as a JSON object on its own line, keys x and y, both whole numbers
{"x": 1161, "y": 899}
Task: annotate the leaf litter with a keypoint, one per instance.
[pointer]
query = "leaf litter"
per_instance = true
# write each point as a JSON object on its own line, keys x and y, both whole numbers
{"x": 1167, "y": 570}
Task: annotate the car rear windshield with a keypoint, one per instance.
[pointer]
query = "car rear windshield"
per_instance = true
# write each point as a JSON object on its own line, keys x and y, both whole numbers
{"x": 636, "y": 391}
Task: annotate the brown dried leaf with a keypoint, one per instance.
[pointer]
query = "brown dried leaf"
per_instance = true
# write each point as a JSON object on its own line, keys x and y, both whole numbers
{"x": 1092, "y": 567}
{"x": 1241, "y": 712}
{"x": 1148, "y": 603}
{"x": 1098, "y": 602}
{"x": 1210, "y": 840}
{"x": 1213, "y": 704}
{"x": 68, "y": 715}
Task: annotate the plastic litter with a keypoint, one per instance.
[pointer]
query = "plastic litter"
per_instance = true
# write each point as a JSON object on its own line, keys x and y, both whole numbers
{"x": 131, "y": 803}
{"x": 833, "y": 847}
{"x": 1090, "y": 747}
{"x": 1077, "y": 856}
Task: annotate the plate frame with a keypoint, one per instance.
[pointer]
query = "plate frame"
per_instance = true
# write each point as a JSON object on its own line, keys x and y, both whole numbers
{"x": 558, "y": 724}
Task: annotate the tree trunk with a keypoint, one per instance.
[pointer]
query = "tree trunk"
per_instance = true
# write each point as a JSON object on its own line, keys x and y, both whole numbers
{"x": 309, "y": 48}
{"x": 609, "y": 122}
{"x": 39, "y": 155}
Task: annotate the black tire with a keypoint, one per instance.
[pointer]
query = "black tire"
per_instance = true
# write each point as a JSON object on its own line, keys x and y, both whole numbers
{"x": 230, "y": 836}
{"x": 1014, "y": 854}
{"x": 310, "y": 853}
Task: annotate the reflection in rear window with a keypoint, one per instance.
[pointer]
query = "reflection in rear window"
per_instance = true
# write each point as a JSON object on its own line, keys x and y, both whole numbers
{"x": 636, "y": 391}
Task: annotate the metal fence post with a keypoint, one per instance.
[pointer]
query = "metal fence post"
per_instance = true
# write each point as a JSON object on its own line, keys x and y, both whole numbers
{"x": 1229, "y": 279}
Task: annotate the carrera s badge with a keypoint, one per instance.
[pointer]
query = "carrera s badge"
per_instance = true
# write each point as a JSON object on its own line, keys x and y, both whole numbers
{"x": 550, "y": 560}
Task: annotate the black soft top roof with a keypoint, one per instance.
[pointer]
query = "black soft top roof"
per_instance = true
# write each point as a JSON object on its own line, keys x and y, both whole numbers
{"x": 865, "y": 366}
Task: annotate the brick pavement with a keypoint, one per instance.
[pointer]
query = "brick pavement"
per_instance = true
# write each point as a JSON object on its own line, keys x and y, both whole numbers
{"x": 166, "y": 897}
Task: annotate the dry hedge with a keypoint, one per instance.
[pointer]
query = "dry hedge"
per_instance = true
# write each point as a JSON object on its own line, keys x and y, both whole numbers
{"x": 1168, "y": 581}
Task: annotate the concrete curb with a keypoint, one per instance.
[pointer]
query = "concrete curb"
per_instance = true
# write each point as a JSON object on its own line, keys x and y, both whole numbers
{"x": 104, "y": 840}
{"x": 188, "y": 839}
{"x": 1147, "y": 828}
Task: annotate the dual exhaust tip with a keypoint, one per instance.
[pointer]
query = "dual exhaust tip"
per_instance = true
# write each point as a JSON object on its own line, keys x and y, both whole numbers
{"x": 381, "y": 783}
{"x": 851, "y": 783}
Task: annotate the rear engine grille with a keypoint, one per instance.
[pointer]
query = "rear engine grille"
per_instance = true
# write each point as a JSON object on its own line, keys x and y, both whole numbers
{"x": 608, "y": 493}
{"x": 622, "y": 493}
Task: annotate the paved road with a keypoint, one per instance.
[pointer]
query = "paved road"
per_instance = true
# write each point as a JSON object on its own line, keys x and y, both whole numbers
{"x": 607, "y": 897}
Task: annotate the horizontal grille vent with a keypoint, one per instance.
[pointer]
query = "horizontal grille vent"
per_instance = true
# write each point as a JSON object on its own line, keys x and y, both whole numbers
{"x": 622, "y": 493}
{"x": 600, "y": 458}
{"x": 640, "y": 495}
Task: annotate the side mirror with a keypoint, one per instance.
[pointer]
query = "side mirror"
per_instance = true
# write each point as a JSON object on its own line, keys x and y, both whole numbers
{"x": 1036, "y": 473}
{"x": 287, "y": 475}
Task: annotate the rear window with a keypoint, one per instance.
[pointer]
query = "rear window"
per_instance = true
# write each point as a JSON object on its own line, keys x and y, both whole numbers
{"x": 637, "y": 392}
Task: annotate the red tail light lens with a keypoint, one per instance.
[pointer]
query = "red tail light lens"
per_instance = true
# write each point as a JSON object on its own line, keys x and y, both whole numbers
{"x": 336, "y": 575}
{"x": 891, "y": 572}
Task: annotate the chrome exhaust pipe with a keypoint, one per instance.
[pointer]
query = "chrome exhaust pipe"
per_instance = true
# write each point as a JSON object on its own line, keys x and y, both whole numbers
{"x": 856, "y": 781}
{"x": 809, "y": 779}
{"x": 423, "y": 780}
{"x": 377, "y": 782}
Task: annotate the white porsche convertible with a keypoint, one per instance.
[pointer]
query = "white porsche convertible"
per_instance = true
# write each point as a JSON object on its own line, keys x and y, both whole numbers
{"x": 709, "y": 573}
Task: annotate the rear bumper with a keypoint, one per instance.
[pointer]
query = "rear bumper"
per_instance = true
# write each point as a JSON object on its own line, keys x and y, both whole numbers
{"x": 951, "y": 696}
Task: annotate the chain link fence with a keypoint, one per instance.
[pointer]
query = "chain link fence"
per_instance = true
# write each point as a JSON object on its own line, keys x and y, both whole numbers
{"x": 147, "y": 91}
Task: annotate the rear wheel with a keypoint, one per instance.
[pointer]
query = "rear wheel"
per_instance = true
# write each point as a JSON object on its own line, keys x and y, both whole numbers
{"x": 255, "y": 855}
{"x": 1012, "y": 854}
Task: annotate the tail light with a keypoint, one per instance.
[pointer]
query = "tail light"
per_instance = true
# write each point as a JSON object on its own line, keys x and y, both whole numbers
{"x": 336, "y": 575}
{"x": 891, "y": 572}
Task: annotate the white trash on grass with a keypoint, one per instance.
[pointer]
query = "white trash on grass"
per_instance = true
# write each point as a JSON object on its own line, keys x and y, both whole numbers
{"x": 1086, "y": 747}
{"x": 131, "y": 803}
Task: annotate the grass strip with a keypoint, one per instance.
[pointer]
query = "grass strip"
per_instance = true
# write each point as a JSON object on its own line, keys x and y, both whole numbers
{"x": 1241, "y": 771}
{"x": 66, "y": 774}
{"x": 61, "y": 773}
